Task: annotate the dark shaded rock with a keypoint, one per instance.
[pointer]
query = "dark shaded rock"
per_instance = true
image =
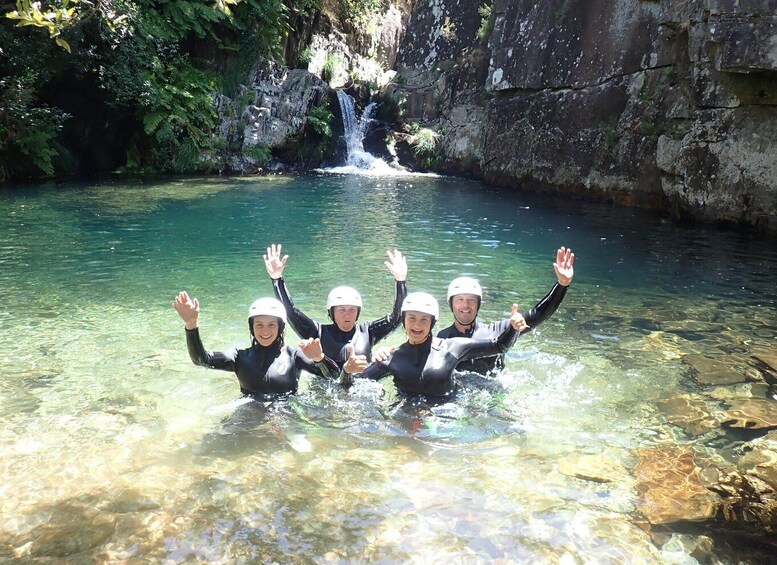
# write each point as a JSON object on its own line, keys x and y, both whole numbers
{"x": 556, "y": 44}
{"x": 750, "y": 506}
{"x": 665, "y": 104}
{"x": 438, "y": 31}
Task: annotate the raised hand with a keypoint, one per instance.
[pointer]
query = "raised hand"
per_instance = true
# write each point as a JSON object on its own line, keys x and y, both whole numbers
{"x": 382, "y": 355}
{"x": 397, "y": 265}
{"x": 311, "y": 347}
{"x": 188, "y": 309}
{"x": 517, "y": 321}
{"x": 563, "y": 266}
{"x": 273, "y": 261}
{"x": 355, "y": 363}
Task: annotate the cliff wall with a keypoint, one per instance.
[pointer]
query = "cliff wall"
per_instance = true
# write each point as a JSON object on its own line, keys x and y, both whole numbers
{"x": 669, "y": 104}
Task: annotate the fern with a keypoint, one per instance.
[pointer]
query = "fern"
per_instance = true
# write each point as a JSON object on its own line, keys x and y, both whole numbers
{"x": 320, "y": 119}
{"x": 151, "y": 121}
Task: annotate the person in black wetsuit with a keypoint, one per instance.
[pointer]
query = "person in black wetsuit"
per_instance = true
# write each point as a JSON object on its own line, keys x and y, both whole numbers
{"x": 425, "y": 364}
{"x": 345, "y": 341}
{"x": 268, "y": 368}
{"x": 464, "y": 298}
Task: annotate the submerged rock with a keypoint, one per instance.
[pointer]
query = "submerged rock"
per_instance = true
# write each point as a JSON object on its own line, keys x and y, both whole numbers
{"x": 691, "y": 413}
{"x": 671, "y": 488}
{"x": 713, "y": 371}
{"x": 72, "y": 529}
{"x": 750, "y": 505}
{"x": 591, "y": 468}
{"x": 751, "y": 414}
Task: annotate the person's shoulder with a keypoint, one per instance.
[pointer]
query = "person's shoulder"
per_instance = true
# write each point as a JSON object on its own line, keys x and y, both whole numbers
{"x": 448, "y": 343}
{"x": 448, "y": 332}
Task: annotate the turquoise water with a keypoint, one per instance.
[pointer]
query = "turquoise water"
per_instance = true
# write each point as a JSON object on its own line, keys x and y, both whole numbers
{"x": 114, "y": 447}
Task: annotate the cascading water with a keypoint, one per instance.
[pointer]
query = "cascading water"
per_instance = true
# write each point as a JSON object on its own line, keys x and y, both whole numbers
{"x": 354, "y": 131}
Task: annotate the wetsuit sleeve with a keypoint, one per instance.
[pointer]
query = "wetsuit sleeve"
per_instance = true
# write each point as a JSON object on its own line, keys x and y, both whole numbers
{"x": 325, "y": 368}
{"x": 303, "y": 326}
{"x": 374, "y": 371}
{"x": 545, "y": 307}
{"x": 387, "y": 324}
{"x": 473, "y": 348}
{"x": 198, "y": 355}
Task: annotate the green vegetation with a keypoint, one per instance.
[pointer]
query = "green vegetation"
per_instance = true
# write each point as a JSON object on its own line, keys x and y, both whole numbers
{"x": 125, "y": 84}
{"x": 27, "y": 133}
{"x": 259, "y": 153}
{"x": 363, "y": 14}
{"x": 320, "y": 119}
{"x": 612, "y": 134}
{"x": 487, "y": 21}
{"x": 333, "y": 65}
{"x": 426, "y": 147}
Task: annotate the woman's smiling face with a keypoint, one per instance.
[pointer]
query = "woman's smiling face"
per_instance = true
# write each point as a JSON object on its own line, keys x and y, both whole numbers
{"x": 265, "y": 329}
{"x": 418, "y": 325}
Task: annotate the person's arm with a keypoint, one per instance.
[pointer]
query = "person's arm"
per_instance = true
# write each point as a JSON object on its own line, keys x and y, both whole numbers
{"x": 373, "y": 371}
{"x": 397, "y": 266}
{"x": 467, "y": 349}
{"x": 313, "y": 360}
{"x": 382, "y": 327}
{"x": 545, "y": 308}
{"x": 189, "y": 310}
{"x": 203, "y": 358}
{"x": 299, "y": 322}
{"x": 304, "y": 327}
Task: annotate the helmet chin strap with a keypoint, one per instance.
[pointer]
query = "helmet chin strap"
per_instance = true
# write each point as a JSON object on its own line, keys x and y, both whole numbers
{"x": 468, "y": 326}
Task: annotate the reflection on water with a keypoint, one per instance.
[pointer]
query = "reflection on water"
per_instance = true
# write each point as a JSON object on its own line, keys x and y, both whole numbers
{"x": 113, "y": 446}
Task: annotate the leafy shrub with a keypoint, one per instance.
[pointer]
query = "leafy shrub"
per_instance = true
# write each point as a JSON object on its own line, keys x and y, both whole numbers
{"x": 426, "y": 148}
{"x": 320, "y": 119}
{"x": 28, "y": 132}
{"x": 486, "y": 22}
{"x": 333, "y": 64}
{"x": 259, "y": 153}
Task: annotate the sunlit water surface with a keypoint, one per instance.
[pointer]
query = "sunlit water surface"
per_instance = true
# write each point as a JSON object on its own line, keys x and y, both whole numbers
{"x": 114, "y": 446}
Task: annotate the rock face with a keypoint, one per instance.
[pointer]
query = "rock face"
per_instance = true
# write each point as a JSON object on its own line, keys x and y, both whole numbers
{"x": 670, "y": 104}
{"x": 270, "y": 113}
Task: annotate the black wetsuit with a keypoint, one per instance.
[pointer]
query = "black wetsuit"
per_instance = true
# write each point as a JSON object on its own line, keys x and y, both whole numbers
{"x": 478, "y": 330}
{"x": 428, "y": 368}
{"x": 261, "y": 371}
{"x": 333, "y": 340}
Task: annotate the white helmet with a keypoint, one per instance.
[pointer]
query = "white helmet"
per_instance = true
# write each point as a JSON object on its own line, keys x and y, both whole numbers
{"x": 267, "y": 307}
{"x": 464, "y": 285}
{"x": 343, "y": 296}
{"x": 421, "y": 302}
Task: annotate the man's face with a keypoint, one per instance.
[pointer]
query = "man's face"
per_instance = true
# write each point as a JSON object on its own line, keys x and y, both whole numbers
{"x": 345, "y": 317}
{"x": 464, "y": 308}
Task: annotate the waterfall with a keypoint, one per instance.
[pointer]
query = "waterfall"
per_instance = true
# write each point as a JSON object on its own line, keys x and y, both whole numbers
{"x": 354, "y": 131}
{"x": 358, "y": 161}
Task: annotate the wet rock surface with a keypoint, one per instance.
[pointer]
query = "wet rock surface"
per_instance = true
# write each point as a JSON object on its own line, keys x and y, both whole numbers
{"x": 670, "y": 486}
{"x": 668, "y": 104}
